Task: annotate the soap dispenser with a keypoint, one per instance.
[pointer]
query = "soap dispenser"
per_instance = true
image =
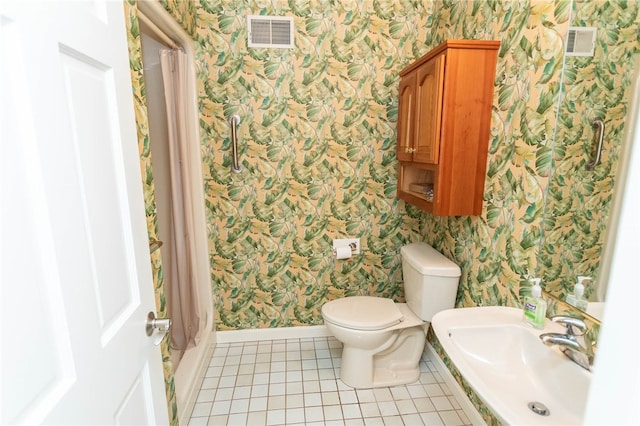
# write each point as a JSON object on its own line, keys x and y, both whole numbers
{"x": 535, "y": 307}
{"x": 577, "y": 298}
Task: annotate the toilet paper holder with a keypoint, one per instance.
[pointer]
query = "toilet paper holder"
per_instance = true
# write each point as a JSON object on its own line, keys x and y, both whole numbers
{"x": 352, "y": 243}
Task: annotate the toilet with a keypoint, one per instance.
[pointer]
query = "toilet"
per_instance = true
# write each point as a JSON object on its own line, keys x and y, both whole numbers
{"x": 382, "y": 340}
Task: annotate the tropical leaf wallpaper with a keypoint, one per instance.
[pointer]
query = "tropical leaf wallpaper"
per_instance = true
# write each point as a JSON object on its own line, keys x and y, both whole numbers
{"x": 184, "y": 13}
{"x": 317, "y": 146}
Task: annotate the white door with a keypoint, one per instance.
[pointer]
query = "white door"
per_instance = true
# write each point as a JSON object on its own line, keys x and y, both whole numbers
{"x": 76, "y": 277}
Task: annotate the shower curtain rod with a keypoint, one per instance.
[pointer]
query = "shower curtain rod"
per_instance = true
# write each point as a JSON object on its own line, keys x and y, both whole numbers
{"x": 157, "y": 31}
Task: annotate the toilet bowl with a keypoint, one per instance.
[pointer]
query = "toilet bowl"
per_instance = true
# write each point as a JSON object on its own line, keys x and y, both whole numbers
{"x": 383, "y": 340}
{"x": 385, "y": 328}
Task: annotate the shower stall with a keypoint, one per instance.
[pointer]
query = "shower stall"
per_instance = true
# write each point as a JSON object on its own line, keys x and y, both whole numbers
{"x": 169, "y": 77}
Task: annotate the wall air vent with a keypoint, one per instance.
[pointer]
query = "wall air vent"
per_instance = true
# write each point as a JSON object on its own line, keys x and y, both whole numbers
{"x": 581, "y": 41}
{"x": 270, "y": 31}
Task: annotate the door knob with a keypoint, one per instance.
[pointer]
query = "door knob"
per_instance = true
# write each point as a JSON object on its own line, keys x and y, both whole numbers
{"x": 157, "y": 327}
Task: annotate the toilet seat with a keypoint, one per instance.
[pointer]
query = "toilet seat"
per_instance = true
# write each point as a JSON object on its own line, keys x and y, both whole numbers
{"x": 362, "y": 313}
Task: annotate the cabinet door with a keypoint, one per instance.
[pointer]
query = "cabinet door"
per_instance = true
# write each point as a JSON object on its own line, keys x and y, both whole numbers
{"x": 429, "y": 88}
{"x": 406, "y": 117}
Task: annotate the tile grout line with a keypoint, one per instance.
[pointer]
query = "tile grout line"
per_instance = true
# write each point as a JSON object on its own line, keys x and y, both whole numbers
{"x": 316, "y": 396}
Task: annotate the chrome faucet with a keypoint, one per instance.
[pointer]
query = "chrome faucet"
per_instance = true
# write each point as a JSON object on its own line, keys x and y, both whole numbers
{"x": 569, "y": 343}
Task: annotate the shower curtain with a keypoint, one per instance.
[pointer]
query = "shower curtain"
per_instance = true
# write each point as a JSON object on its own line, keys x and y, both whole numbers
{"x": 180, "y": 280}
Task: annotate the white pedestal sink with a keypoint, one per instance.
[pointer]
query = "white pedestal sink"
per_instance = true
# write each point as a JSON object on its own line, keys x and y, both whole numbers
{"x": 508, "y": 366}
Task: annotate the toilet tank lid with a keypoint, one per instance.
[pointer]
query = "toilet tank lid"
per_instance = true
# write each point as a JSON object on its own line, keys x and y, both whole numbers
{"x": 429, "y": 261}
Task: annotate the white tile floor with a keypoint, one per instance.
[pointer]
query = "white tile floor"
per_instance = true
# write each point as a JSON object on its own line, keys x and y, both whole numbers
{"x": 296, "y": 381}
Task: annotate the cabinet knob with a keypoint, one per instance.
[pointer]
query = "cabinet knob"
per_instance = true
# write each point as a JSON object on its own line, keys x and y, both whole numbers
{"x": 409, "y": 150}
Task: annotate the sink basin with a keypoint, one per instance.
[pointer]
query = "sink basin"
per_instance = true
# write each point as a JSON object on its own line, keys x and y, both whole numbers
{"x": 508, "y": 367}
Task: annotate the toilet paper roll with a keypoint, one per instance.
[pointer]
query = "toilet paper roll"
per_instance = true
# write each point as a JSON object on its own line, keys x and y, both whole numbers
{"x": 343, "y": 252}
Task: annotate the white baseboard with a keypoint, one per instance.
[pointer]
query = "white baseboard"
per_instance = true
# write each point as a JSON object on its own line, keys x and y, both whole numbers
{"x": 234, "y": 336}
{"x": 468, "y": 408}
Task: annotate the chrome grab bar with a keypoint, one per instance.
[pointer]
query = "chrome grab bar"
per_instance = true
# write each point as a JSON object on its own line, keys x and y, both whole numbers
{"x": 598, "y": 126}
{"x": 234, "y": 120}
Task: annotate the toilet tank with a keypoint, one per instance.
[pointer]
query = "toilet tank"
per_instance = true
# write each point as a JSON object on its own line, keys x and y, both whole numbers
{"x": 430, "y": 280}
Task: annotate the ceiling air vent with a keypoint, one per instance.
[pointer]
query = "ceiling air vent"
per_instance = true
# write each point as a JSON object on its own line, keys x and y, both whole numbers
{"x": 581, "y": 41}
{"x": 270, "y": 31}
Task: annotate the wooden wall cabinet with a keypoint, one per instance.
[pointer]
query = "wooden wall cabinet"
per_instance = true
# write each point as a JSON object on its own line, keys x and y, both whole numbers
{"x": 444, "y": 118}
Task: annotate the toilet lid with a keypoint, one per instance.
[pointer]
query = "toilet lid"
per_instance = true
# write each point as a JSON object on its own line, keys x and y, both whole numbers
{"x": 362, "y": 312}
